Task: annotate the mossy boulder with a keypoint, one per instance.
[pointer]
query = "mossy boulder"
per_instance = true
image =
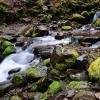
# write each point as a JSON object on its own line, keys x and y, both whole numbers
{"x": 8, "y": 50}
{"x": 55, "y": 87}
{"x": 33, "y": 73}
{"x": 74, "y": 85}
{"x": 15, "y": 98}
{"x": 78, "y": 18}
{"x": 85, "y": 14}
{"x": 17, "y": 79}
{"x": 46, "y": 61}
{"x": 66, "y": 28}
{"x": 6, "y": 44}
{"x": 32, "y": 87}
{"x": 96, "y": 24}
{"x": 71, "y": 59}
{"x": 94, "y": 69}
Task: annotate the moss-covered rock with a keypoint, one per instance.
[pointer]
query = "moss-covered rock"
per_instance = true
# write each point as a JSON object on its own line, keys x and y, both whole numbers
{"x": 86, "y": 15}
{"x": 6, "y": 44}
{"x": 78, "y": 18}
{"x": 66, "y": 28}
{"x": 94, "y": 69}
{"x": 8, "y": 50}
{"x": 74, "y": 85}
{"x": 17, "y": 79}
{"x": 15, "y": 98}
{"x": 32, "y": 87}
{"x": 33, "y": 73}
{"x": 46, "y": 61}
{"x": 55, "y": 87}
{"x": 96, "y": 24}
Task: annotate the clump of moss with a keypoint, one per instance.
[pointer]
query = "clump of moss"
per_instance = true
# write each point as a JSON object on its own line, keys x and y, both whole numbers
{"x": 15, "y": 98}
{"x": 32, "y": 73}
{"x": 55, "y": 87}
{"x": 46, "y": 61}
{"x": 18, "y": 79}
{"x": 66, "y": 28}
{"x": 78, "y": 18}
{"x": 94, "y": 69}
{"x": 74, "y": 85}
{"x": 86, "y": 15}
{"x": 32, "y": 87}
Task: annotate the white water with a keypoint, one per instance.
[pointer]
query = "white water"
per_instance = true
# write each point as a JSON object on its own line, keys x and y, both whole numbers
{"x": 23, "y": 59}
{"x": 96, "y": 16}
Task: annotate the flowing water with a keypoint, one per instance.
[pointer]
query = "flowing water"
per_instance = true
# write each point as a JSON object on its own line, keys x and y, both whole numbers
{"x": 24, "y": 58}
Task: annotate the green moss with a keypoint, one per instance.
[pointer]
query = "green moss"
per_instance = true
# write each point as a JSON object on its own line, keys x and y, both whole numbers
{"x": 6, "y": 44}
{"x": 55, "y": 86}
{"x": 94, "y": 69}
{"x": 74, "y": 85}
{"x": 54, "y": 72}
{"x": 66, "y": 28}
{"x": 18, "y": 79}
{"x": 46, "y": 61}
{"x": 8, "y": 50}
{"x": 32, "y": 87}
{"x": 78, "y": 18}
{"x": 61, "y": 66}
{"x": 32, "y": 73}
{"x": 85, "y": 14}
{"x": 15, "y": 98}
{"x": 96, "y": 24}
{"x": 75, "y": 53}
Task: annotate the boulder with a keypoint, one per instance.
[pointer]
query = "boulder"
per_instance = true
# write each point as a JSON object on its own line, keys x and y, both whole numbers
{"x": 96, "y": 24}
{"x": 66, "y": 28}
{"x": 94, "y": 69}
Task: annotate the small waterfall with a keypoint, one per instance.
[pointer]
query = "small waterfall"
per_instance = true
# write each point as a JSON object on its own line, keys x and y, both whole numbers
{"x": 96, "y": 16}
{"x": 24, "y": 58}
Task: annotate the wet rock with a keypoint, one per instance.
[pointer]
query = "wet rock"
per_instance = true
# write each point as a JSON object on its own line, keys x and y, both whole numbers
{"x": 5, "y": 87}
{"x": 42, "y": 30}
{"x": 77, "y": 75}
{"x": 26, "y": 20}
{"x": 59, "y": 37}
{"x": 84, "y": 95}
{"x": 53, "y": 27}
{"x": 14, "y": 70}
{"x": 44, "y": 51}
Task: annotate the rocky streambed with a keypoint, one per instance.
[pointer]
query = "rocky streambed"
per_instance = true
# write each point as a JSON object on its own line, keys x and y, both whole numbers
{"x": 49, "y": 61}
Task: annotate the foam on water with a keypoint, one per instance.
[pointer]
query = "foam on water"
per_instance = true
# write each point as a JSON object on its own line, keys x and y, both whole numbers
{"x": 23, "y": 59}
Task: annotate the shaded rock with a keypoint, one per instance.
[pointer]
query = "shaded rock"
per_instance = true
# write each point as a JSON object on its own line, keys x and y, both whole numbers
{"x": 14, "y": 70}
{"x": 84, "y": 95}
{"x": 42, "y": 30}
{"x": 97, "y": 24}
